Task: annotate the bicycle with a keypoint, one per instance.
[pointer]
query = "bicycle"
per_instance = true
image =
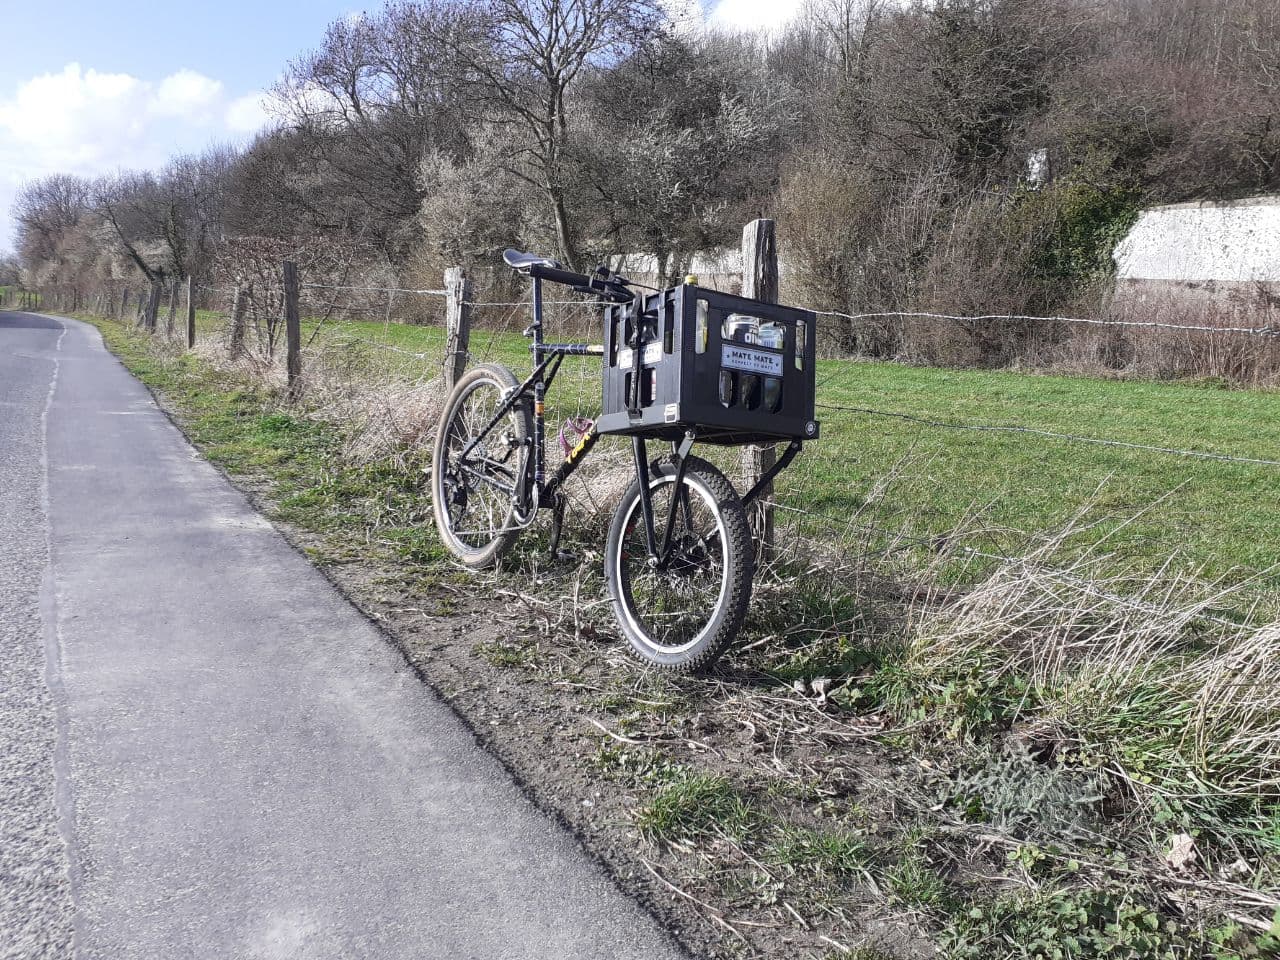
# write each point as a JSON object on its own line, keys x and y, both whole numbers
{"x": 679, "y": 557}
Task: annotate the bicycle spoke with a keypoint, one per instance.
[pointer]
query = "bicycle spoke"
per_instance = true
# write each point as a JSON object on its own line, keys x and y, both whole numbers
{"x": 480, "y": 488}
{"x": 674, "y": 600}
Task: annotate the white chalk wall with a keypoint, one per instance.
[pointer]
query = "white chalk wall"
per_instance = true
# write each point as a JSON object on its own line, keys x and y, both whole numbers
{"x": 1235, "y": 242}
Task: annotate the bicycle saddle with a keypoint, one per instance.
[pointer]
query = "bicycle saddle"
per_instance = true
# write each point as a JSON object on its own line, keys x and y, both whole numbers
{"x": 523, "y": 261}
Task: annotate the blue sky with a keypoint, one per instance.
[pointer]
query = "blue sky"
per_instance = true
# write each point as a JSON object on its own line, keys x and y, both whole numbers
{"x": 89, "y": 87}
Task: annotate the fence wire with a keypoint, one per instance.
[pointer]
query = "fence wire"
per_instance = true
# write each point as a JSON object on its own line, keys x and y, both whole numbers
{"x": 374, "y": 360}
{"x": 1269, "y": 330}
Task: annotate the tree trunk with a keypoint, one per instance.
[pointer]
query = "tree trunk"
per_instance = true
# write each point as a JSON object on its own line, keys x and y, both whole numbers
{"x": 564, "y": 232}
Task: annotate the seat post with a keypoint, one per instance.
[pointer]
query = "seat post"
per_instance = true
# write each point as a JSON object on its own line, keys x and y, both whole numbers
{"x": 539, "y": 392}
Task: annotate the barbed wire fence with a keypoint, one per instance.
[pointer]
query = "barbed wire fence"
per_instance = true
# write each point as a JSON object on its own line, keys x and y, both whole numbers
{"x": 379, "y": 359}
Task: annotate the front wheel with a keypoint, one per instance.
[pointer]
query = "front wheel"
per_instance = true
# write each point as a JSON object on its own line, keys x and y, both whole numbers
{"x": 681, "y": 614}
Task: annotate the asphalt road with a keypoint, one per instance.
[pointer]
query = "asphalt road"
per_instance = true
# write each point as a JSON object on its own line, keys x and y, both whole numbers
{"x": 206, "y": 751}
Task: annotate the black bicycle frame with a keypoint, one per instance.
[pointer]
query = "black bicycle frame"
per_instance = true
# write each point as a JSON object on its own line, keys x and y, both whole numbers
{"x": 547, "y": 359}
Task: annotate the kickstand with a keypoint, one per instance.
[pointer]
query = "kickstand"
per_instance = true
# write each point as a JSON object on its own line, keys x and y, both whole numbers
{"x": 557, "y": 528}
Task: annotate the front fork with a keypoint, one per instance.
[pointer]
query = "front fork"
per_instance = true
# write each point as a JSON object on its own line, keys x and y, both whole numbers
{"x": 659, "y": 550}
{"x": 659, "y": 553}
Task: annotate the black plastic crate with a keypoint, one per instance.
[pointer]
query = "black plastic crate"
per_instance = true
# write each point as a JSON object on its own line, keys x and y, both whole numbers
{"x": 702, "y": 367}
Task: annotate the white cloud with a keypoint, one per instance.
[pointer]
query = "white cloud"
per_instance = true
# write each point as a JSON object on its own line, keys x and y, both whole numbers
{"x": 86, "y": 122}
{"x": 249, "y": 114}
{"x": 754, "y": 14}
{"x": 185, "y": 93}
{"x": 69, "y": 114}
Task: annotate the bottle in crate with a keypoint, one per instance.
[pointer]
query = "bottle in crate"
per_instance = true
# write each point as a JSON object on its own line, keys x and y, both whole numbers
{"x": 737, "y": 329}
{"x": 734, "y": 370}
{"x": 773, "y": 336}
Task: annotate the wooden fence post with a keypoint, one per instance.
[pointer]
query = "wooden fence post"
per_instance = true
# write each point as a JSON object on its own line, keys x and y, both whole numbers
{"x": 151, "y": 312}
{"x": 191, "y": 315}
{"x": 172, "y": 320}
{"x": 760, "y": 282}
{"x": 239, "y": 307}
{"x": 457, "y": 322}
{"x": 292, "y": 331}
{"x": 153, "y": 306}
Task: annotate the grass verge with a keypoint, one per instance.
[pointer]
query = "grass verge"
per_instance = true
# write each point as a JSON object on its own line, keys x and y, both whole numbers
{"x": 1002, "y": 773}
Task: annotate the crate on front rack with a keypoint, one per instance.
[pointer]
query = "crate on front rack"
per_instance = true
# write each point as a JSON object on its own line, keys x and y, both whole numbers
{"x": 735, "y": 370}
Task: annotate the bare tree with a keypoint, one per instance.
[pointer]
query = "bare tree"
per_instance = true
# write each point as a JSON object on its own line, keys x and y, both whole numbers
{"x": 168, "y": 224}
{"x": 525, "y": 59}
{"x": 361, "y": 113}
{"x": 47, "y": 211}
{"x": 675, "y": 147}
{"x": 10, "y": 270}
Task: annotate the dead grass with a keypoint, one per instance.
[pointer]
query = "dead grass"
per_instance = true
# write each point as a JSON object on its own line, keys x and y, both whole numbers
{"x": 814, "y": 791}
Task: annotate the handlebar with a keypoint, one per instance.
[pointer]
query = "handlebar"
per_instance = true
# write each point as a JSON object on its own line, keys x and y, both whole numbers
{"x": 603, "y": 283}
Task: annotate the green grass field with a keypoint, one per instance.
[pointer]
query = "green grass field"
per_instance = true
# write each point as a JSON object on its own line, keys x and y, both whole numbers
{"x": 1220, "y": 518}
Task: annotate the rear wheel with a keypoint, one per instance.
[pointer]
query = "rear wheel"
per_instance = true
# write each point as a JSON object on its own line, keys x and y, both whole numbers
{"x": 474, "y": 495}
{"x": 681, "y": 615}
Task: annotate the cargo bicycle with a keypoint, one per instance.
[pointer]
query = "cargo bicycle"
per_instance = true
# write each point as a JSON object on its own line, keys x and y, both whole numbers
{"x": 680, "y": 366}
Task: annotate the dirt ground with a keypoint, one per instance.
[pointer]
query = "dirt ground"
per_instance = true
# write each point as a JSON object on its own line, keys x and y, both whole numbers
{"x": 562, "y": 708}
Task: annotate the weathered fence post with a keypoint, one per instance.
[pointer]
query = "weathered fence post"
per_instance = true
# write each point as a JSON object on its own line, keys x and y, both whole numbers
{"x": 760, "y": 282}
{"x": 457, "y": 324}
{"x": 191, "y": 315}
{"x": 292, "y": 331}
{"x": 153, "y": 307}
{"x": 172, "y": 320}
{"x": 239, "y": 307}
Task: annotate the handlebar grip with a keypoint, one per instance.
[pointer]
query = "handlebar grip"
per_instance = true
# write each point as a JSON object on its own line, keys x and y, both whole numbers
{"x": 582, "y": 282}
{"x": 557, "y": 275}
